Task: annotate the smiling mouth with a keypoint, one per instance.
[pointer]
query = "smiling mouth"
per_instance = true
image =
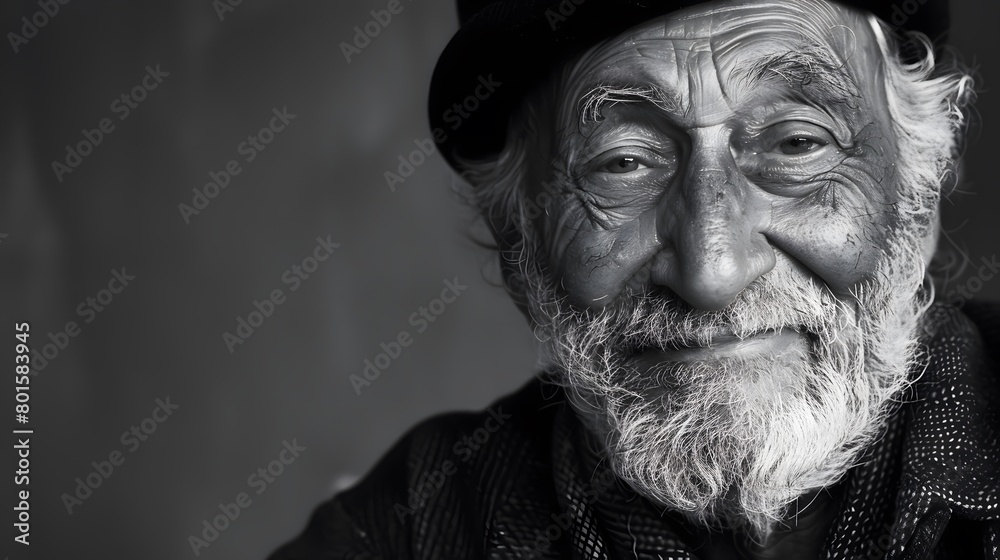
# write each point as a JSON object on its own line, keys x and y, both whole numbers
{"x": 725, "y": 344}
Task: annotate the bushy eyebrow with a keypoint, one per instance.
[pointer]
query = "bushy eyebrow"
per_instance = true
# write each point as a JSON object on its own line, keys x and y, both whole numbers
{"x": 811, "y": 72}
{"x": 608, "y": 95}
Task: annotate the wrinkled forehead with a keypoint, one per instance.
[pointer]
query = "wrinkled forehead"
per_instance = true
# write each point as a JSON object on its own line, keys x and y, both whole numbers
{"x": 732, "y": 27}
{"x": 730, "y": 40}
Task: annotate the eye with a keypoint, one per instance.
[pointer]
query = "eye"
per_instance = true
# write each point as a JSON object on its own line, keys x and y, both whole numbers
{"x": 633, "y": 161}
{"x": 623, "y": 164}
{"x": 799, "y": 145}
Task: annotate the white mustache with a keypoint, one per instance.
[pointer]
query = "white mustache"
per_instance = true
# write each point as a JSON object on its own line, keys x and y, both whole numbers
{"x": 773, "y": 303}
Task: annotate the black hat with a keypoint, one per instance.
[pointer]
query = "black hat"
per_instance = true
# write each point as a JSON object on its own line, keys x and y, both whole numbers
{"x": 504, "y": 47}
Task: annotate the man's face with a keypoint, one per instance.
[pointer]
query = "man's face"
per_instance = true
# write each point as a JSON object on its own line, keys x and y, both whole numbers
{"x": 768, "y": 144}
{"x": 727, "y": 278}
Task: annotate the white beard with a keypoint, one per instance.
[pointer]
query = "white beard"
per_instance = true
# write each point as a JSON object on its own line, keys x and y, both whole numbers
{"x": 732, "y": 442}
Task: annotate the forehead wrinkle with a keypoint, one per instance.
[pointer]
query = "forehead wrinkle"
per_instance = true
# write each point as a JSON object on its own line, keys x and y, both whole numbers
{"x": 688, "y": 80}
{"x": 789, "y": 57}
{"x": 735, "y": 30}
{"x": 719, "y": 78}
{"x": 805, "y": 16}
{"x": 703, "y": 99}
{"x": 687, "y": 91}
{"x": 730, "y": 33}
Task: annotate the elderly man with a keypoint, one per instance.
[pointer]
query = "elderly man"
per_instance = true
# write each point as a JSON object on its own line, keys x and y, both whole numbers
{"x": 718, "y": 218}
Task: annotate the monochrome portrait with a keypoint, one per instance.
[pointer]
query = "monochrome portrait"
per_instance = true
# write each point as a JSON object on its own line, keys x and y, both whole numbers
{"x": 503, "y": 279}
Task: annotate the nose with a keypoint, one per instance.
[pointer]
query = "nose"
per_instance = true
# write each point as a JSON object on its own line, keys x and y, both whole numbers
{"x": 711, "y": 225}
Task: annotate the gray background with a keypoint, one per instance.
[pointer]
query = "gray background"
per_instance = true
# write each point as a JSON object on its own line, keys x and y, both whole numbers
{"x": 323, "y": 175}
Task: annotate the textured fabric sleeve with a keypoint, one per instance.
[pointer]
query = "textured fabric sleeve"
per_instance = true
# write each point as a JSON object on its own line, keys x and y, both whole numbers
{"x": 332, "y": 533}
{"x": 415, "y": 494}
{"x": 354, "y": 525}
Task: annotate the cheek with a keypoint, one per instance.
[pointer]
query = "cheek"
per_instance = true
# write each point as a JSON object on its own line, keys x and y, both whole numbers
{"x": 841, "y": 232}
{"x": 838, "y": 249}
{"x": 592, "y": 264}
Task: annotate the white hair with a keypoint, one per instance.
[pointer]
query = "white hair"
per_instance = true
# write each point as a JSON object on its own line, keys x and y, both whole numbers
{"x": 680, "y": 447}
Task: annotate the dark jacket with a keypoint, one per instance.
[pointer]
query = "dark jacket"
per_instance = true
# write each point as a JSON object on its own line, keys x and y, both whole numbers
{"x": 515, "y": 481}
